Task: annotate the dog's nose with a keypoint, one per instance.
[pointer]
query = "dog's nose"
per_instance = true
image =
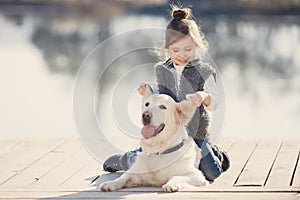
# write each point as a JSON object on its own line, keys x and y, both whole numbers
{"x": 146, "y": 117}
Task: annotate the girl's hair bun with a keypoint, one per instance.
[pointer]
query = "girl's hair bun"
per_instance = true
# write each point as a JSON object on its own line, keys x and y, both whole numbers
{"x": 179, "y": 14}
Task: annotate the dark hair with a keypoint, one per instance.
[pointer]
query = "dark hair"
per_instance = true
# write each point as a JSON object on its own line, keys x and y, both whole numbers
{"x": 181, "y": 25}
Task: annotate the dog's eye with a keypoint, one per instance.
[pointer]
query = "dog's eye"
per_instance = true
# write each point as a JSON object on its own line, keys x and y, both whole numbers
{"x": 147, "y": 104}
{"x": 162, "y": 107}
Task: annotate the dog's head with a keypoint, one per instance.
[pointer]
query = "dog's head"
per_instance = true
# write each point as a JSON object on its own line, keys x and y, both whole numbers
{"x": 162, "y": 117}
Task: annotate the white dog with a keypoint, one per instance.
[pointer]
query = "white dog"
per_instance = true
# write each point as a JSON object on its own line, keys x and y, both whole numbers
{"x": 170, "y": 157}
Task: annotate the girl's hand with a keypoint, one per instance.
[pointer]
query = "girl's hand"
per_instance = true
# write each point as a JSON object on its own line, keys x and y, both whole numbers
{"x": 195, "y": 98}
{"x": 198, "y": 98}
{"x": 142, "y": 89}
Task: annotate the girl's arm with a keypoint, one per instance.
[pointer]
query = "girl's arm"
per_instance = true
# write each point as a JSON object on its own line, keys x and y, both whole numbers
{"x": 209, "y": 96}
{"x": 212, "y": 100}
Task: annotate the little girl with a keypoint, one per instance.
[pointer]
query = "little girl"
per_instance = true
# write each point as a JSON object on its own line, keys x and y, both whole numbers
{"x": 181, "y": 74}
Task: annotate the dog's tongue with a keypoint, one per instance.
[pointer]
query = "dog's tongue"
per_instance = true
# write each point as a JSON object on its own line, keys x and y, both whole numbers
{"x": 147, "y": 131}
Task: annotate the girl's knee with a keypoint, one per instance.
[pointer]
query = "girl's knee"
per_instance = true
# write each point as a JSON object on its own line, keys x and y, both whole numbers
{"x": 211, "y": 169}
{"x": 212, "y": 174}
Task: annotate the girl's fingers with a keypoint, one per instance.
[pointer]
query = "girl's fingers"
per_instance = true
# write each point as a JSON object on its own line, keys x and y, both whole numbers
{"x": 142, "y": 89}
{"x": 195, "y": 98}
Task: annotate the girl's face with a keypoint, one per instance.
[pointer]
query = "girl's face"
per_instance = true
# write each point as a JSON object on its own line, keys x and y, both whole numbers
{"x": 183, "y": 51}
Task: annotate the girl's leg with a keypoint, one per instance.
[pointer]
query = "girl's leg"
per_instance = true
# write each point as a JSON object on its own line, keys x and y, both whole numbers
{"x": 210, "y": 164}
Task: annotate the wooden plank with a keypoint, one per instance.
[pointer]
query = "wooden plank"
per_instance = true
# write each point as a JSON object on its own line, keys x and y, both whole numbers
{"x": 239, "y": 154}
{"x": 24, "y": 154}
{"x": 296, "y": 178}
{"x": 43, "y": 166}
{"x": 7, "y": 144}
{"x": 64, "y": 171}
{"x": 253, "y": 189}
{"x": 158, "y": 189}
{"x": 148, "y": 195}
{"x": 257, "y": 169}
{"x": 84, "y": 177}
{"x": 225, "y": 143}
{"x": 283, "y": 168}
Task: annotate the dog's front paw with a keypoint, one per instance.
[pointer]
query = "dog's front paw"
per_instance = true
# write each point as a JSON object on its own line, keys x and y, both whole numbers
{"x": 205, "y": 183}
{"x": 108, "y": 186}
{"x": 170, "y": 187}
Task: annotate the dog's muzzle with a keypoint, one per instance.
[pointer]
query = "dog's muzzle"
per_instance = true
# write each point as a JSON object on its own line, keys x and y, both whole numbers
{"x": 149, "y": 130}
{"x": 146, "y": 117}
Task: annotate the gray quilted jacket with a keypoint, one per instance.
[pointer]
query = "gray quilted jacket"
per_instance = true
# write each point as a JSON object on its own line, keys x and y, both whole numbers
{"x": 192, "y": 80}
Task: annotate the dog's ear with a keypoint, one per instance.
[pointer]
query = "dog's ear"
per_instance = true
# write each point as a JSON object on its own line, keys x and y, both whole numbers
{"x": 185, "y": 111}
{"x": 145, "y": 90}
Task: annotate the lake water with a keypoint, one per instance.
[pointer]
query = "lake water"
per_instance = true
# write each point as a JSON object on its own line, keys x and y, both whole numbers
{"x": 258, "y": 59}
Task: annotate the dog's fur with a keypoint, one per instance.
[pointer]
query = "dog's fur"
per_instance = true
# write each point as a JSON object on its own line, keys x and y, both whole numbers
{"x": 173, "y": 170}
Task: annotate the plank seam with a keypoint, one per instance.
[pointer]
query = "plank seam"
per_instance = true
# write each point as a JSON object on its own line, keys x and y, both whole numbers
{"x": 88, "y": 162}
{"x": 274, "y": 160}
{"x": 132, "y": 190}
{"x": 227, "y": 150}
{"x": 295, "y": 169}
{"x": 245, "y": 164}
{"x": 13, "y": 146}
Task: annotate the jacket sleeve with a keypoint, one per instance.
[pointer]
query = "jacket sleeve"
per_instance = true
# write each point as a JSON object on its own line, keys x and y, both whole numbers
{"x": 211, "y": 88}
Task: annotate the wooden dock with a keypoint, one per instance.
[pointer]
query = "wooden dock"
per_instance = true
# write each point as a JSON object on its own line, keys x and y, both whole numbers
{"x": 60, "y": 168}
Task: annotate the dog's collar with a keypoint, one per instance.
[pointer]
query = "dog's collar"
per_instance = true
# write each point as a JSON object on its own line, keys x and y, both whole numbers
{"x": 172, "y": 149}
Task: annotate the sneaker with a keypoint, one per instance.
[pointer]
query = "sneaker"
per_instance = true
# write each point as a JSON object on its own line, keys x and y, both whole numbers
{"x": 113, "y": 164}
{"x": 223, "y": 157}
{"x": 120, "y": 162}
{"x": 225, "y": 161}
